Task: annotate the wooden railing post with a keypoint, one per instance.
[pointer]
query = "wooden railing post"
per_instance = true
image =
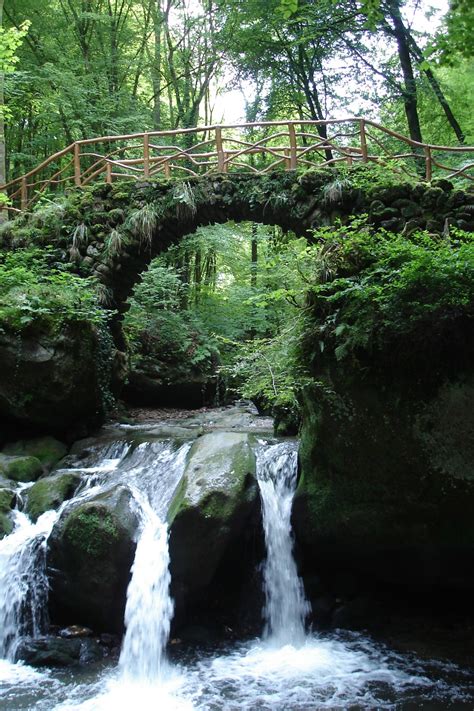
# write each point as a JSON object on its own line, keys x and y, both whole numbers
{"x": 108, "y": 173}
{"x": 363, "y": 141}
{"x": 428, "y": 164}
{"x": 220, "y": 151}
{"x": 293, "y": 151}
{"x": 167, "y": 170}
{"x": 77, "y": 165}
{"x": 146, "y": 155}
{"x": 24, "y": 194}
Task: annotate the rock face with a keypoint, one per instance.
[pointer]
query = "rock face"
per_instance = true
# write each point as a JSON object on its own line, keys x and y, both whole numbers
{"x": 214, "y": 507}
{"x": 90, "y": 554}
{"x": 50, "y": 382}
{"x": 387, "y": 487}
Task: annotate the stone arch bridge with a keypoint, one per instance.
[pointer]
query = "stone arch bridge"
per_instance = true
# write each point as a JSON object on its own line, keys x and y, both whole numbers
{"x": 114, "y": 231}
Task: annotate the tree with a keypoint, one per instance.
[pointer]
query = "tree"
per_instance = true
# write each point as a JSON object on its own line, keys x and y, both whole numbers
{"x": 10, "y": 40}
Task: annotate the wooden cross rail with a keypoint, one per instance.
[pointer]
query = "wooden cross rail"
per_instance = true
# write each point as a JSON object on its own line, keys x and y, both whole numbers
{"x": 258, "y": 148}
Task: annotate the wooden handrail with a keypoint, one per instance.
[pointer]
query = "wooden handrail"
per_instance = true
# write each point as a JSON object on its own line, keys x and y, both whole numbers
{"x": 224, "y": 148}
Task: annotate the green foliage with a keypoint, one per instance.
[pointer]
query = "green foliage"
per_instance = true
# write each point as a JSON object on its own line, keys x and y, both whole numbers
{"x": 142, "y": 222}
{"x": 386, "y": 291}
{"x": 167, "y": 343}
{"x": 35, "y": 292}
{"x": 288, "y": 8}
{"x": 10, "y": 40}
{"x": 267, "y": 371}
{"x": 184, "y": 197}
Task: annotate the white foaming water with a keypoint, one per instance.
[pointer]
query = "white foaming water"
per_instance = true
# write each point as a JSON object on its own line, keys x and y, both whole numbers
{"x": 23, "y": 581}
{"x": 286, "y": 607}
{"x": 149, "y": 606}
{"x": 149, "y": 609}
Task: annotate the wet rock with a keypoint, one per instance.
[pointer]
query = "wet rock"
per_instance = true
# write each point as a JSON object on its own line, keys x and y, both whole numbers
{"x": 75, "y": 631}
{"x": 321, "y": 610}
{"x": 7, "y": 502}
{"x": 90, "y": 553}
{"x": 214, "y": 503}
{"x": 50, "y": 492}
{"x": 386, "y": 490}
{"x": 57, "y": 652}
{"x": 20, "y": 469}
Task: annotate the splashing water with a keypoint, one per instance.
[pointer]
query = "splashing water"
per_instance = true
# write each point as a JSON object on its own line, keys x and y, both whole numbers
{"x": 286, "y": 607}
{"x": 23, "y": 581}
{"x": 149, "y": 609}
{"x": 149, "y": 606}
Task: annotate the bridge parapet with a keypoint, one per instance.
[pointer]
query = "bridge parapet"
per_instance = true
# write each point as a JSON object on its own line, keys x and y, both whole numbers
{"x": 257, "y": 148}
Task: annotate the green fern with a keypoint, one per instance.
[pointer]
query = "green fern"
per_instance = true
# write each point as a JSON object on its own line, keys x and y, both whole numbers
{"x": 143, "y": 222}
{"x": 184, "y": 197}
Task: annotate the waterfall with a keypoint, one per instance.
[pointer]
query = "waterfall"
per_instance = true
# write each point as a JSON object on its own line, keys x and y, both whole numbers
{"x": 286, "y": 607}
{"x": 149, "y": 608}
{"x": 23, "y": 581}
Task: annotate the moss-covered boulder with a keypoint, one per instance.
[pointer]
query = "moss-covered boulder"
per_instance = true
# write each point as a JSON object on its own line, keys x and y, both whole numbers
{"x": 213, "y": 505}
{"x": 21, "y": 469}
{"x": 50, "y": 492}
{"x": 48, "y": 450}
{"x": 7, "y": 502}
{"x": 90, "y": 553}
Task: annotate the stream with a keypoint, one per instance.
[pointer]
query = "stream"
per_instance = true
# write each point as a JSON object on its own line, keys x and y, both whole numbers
{"x": 288, "y": 667}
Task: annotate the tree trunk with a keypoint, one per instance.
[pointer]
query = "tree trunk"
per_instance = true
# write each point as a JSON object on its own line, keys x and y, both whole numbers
{"x": 254, "y": 256}
{"x": 409, "y": 94}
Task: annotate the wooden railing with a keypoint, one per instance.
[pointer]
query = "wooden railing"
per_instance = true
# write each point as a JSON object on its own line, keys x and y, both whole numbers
{"x": 248, "y": 147}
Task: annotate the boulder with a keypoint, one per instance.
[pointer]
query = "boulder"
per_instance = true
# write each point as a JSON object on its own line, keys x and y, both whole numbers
{"x": 211, "y": 509}
{"x": 7, "y": 502}
{"x": 21, "y": 469}
{"x": 90, "y": 553}
{"x": 47, "y": 449}
{"x": 50, "y": 381}
{"x": 50, "y": 492}
{"x": 57, "y": 652}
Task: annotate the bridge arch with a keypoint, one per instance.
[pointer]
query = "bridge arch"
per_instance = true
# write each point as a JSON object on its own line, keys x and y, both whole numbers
{"x": 128, "y": 225}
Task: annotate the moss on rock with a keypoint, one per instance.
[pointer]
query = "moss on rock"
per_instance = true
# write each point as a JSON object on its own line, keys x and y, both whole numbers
{"x": 7, "y": 502}
{"x": 90, "y": 554}
{"x": 48, "y": 450}
{"x": 50, "y": 493}
{"x": 21, "y": 469}
{"x": 92, "y": 531}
